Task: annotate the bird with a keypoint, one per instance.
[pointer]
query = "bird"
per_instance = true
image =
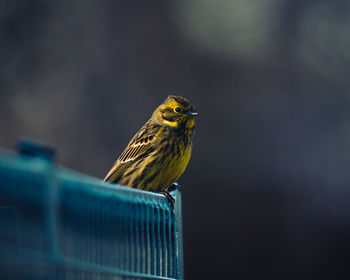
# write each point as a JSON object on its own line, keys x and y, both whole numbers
{"x": 158, "y": 154}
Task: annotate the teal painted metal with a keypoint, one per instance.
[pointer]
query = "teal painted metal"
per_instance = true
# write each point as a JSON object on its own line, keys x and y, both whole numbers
{"x": 60, "y": 224}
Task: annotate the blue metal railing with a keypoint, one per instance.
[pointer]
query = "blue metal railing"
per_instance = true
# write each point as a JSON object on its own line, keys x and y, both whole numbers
{"x": 59, "y": 224}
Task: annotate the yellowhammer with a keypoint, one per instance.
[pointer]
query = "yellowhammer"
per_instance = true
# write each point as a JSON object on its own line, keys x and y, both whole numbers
{"x": 159, "y": 153}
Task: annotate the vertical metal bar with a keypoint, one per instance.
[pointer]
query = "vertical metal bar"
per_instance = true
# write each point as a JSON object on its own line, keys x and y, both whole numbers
{"x": 104, "y": 229}
{"x": 91, "y": 220}
{"x": 134, "y": 230}
{"x": 131, "y": 236}
{"x": 148, "y": 238}
{"x": 179, "y": 240}
{"x": 107, "y": 258}
{"x": 115, "y": 237}
{"x": 157, "y": 239}
{"x": 120, "y": 235}
{"x": 143, "y": 259}
{"x": 139, "y": 236}
{"x": 87, "y": 250}
{"x": 152, "y": 238}
{"x": 51, "y": 212}
{"x": 169, "y": 244}
{"x": 128, "y": 236}
{"x": 173, "y": 244}
{"x": 163, "y": 241}
{"x": 125, "y": 236}
{"x": 96, "y": 230}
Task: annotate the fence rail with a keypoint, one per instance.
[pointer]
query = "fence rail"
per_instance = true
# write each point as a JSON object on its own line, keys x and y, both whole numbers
{"x": 59, "y": 224}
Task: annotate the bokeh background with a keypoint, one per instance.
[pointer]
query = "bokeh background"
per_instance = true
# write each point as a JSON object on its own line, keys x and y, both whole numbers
{"x": 266, "y": 194}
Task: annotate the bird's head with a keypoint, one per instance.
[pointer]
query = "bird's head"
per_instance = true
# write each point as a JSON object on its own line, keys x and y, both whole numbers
{"x": 175, "y": 111}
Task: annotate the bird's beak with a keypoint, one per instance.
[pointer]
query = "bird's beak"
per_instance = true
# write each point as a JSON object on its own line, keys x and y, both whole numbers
{"x": 193, "y": 112}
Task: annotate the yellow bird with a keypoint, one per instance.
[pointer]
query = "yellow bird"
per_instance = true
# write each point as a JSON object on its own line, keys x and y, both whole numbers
{"x": 159, "y": 153}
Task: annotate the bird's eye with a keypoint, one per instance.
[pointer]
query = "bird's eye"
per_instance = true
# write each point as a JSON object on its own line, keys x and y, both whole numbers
{"x": 178, "y": 109}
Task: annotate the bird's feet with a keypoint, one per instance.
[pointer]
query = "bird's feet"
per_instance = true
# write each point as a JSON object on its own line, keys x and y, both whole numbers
{"x": 174, "y": 186}
{"x": 170, "y": 198}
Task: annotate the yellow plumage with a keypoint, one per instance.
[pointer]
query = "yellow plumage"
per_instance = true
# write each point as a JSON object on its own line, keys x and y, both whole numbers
{"x": 159, "y": 153}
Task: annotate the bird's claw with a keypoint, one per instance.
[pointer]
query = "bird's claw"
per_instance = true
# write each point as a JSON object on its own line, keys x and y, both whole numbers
{"x": 174, "y": 186}
{"x": 170, "y": 198}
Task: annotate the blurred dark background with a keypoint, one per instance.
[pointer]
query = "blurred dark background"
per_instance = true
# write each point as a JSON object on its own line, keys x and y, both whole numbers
{"x": 266, "y": 194}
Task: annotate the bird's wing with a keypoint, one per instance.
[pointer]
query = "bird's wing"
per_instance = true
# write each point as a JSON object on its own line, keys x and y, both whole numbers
{"x": 140, "y": 145}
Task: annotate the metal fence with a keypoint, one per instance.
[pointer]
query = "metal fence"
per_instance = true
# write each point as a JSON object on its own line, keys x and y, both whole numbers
{"x": 59, "y": 224}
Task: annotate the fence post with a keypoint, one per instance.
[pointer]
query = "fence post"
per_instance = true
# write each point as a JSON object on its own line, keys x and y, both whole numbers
{"x": 178, "y": 213}
{"x": 36, "y": 149}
